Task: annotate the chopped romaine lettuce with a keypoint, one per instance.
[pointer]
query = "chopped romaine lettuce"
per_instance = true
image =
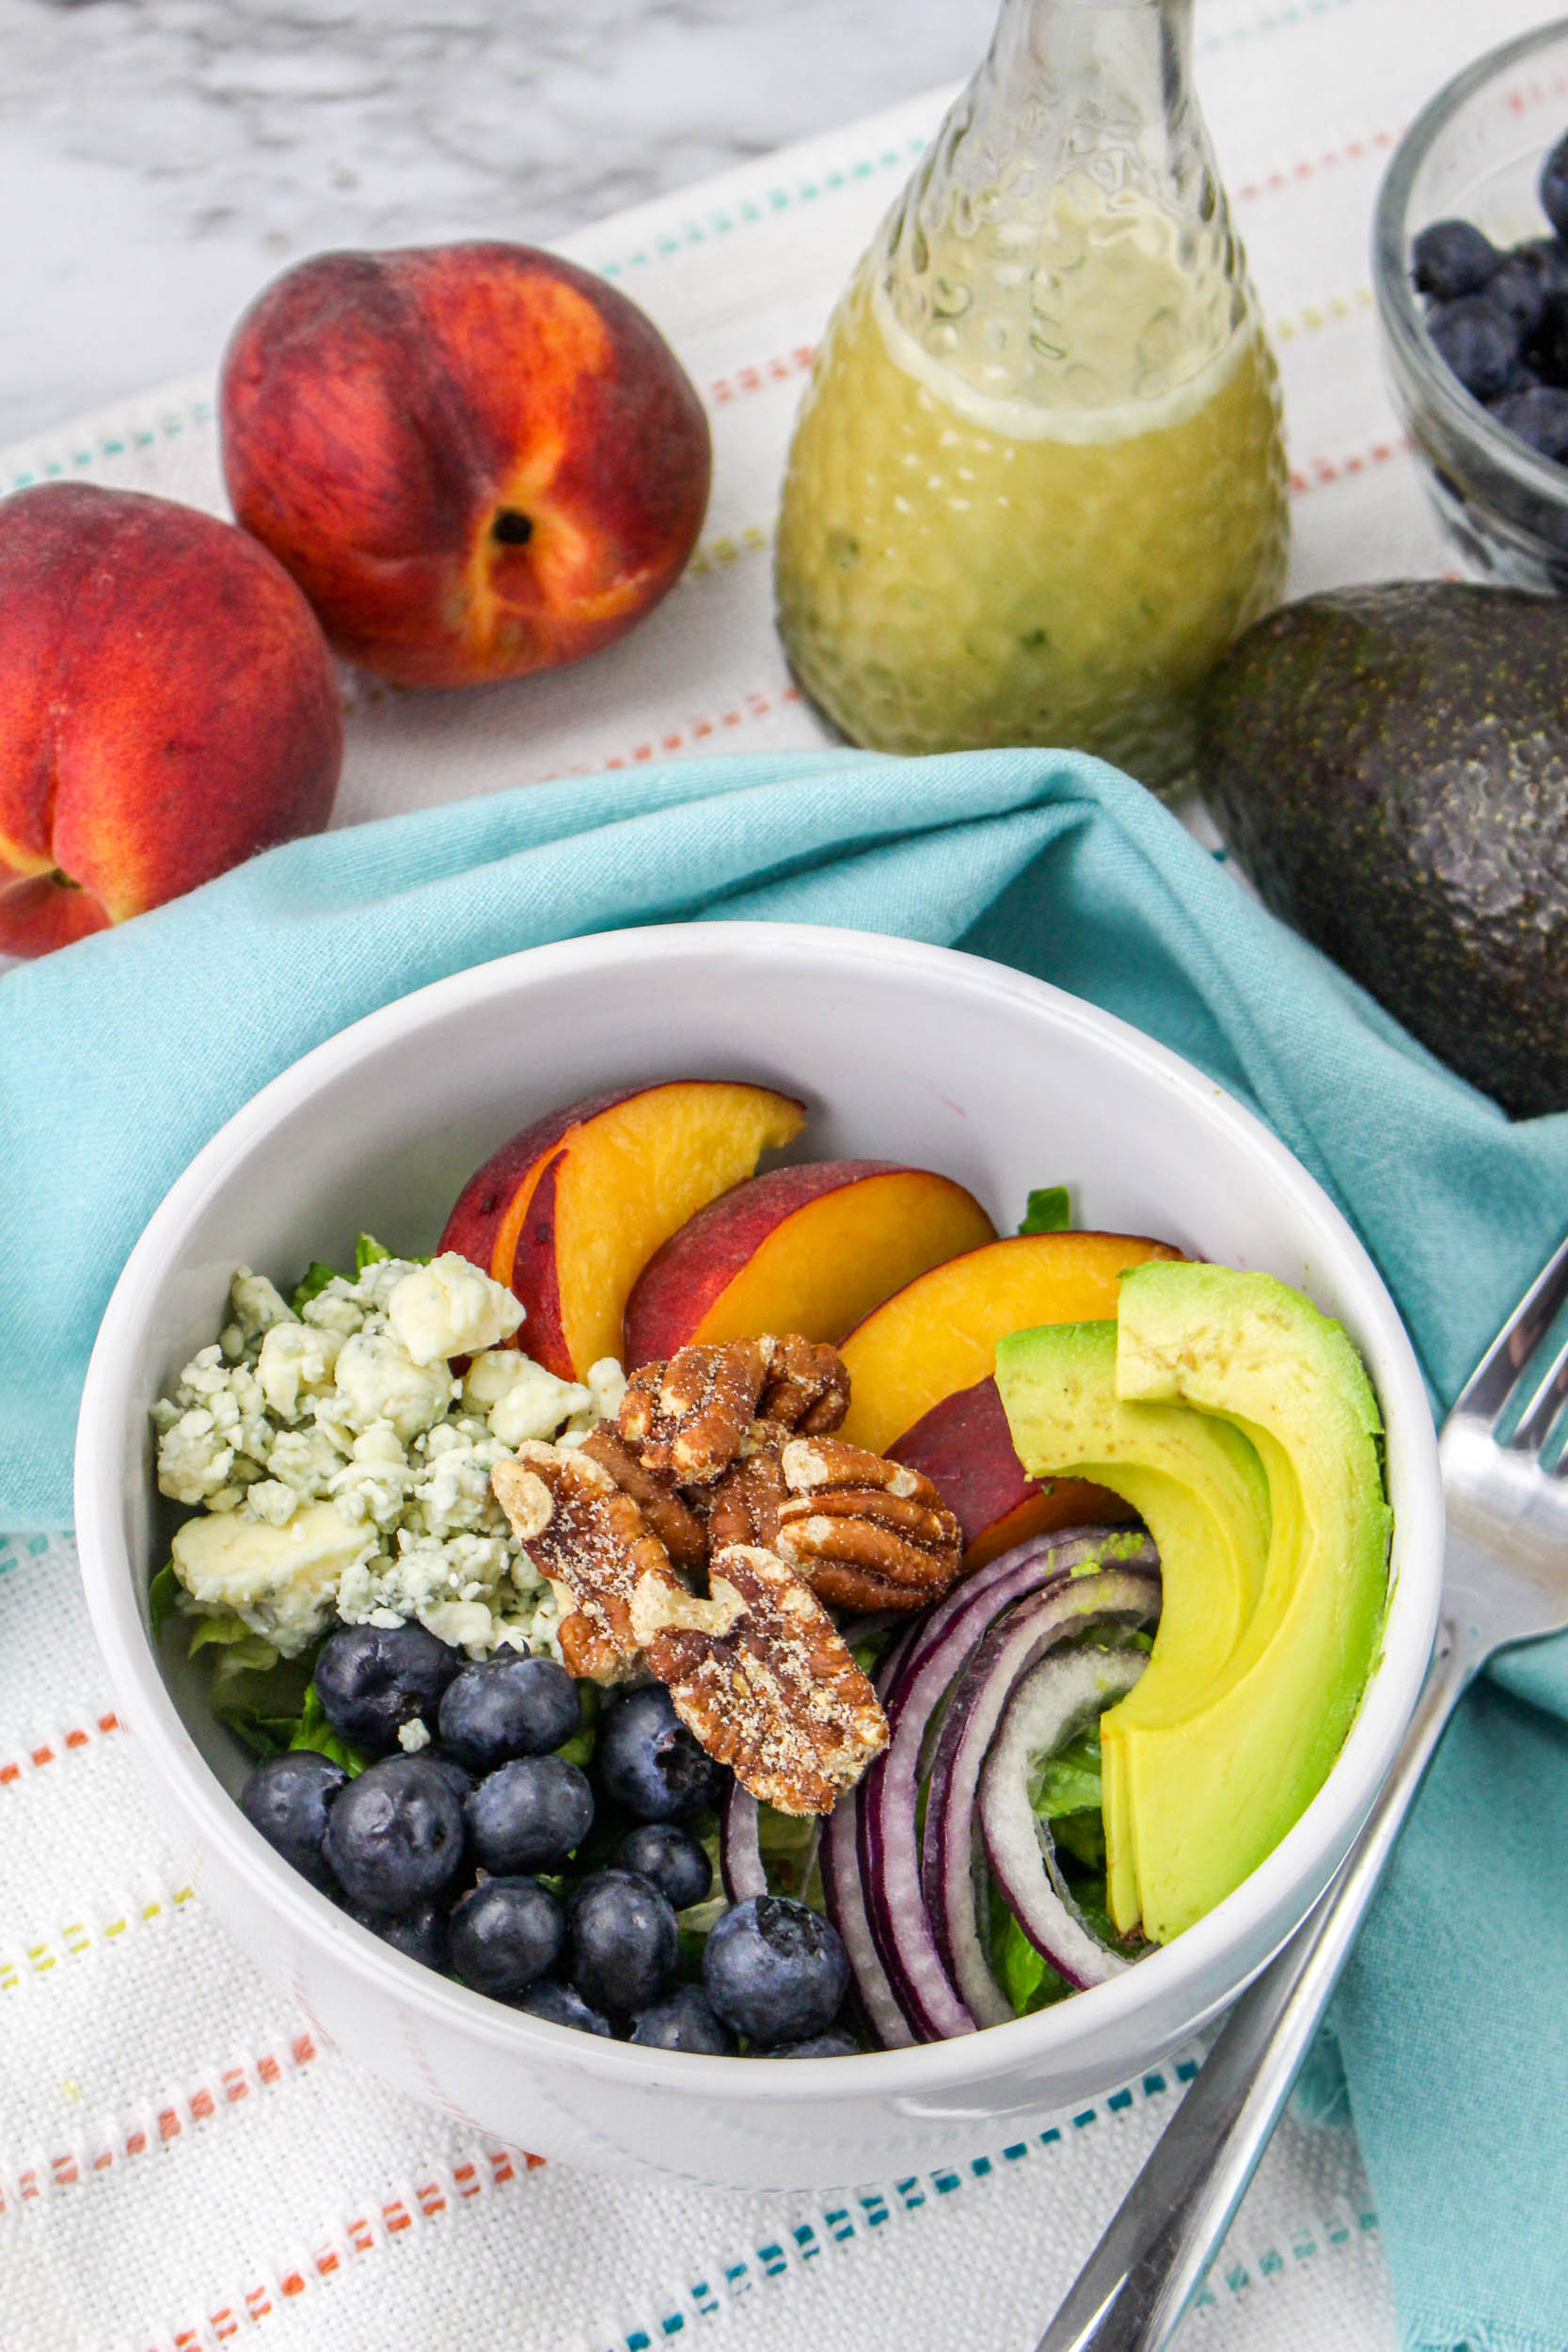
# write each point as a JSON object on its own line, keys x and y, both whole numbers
{"x": 369, "y": 1252}
{"x": 314, "y": 1731}
{"x": 316, "y": 1279}
{"x": 163, "y": 1596}
{"x": 1050, "y": 1211}
{"x": 1069, "y": 1780}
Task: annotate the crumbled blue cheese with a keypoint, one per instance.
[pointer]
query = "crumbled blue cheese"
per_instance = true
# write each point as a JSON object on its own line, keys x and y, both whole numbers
{"x": 324, "y": 1420}
{"x": 412, "y": 1736}
{"x": 451, "y": 1307}
{"x": 282, "y": 1580}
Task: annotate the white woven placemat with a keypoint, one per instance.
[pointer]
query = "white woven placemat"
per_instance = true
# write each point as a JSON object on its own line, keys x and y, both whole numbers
{"x": 180, "y": 2164}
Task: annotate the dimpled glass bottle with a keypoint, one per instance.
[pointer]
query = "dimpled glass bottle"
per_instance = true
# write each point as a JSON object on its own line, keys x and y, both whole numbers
{"x": 1038, "y": 482}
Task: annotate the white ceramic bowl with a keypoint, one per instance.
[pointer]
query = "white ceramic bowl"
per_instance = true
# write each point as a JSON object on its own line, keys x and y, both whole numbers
{"x": 902, "y": 1051}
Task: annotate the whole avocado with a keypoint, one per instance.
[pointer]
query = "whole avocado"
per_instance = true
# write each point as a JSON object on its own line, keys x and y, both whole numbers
{"x": 1389, "y": 764}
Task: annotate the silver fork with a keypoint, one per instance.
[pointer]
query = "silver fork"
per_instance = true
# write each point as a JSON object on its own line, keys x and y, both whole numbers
{"x": 1505, "y": 1579}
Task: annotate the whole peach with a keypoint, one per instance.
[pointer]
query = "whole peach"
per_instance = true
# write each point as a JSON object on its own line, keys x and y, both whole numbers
{"x": 477, "y": 460}
{"x": 167, "y": 706}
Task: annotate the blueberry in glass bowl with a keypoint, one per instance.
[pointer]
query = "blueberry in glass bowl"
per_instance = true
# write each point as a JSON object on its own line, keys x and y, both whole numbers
{"x": 1470, "y": 270}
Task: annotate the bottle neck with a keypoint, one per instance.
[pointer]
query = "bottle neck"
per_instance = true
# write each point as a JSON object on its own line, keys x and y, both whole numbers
{"x": 1065, "y": 238}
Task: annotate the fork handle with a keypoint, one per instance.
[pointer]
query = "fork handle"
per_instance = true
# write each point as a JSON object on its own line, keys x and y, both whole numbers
{"x": 1150, "y": 2261}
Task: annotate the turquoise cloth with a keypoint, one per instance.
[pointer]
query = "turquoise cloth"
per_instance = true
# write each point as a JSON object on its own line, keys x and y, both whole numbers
{"x": 120, "y": 1055}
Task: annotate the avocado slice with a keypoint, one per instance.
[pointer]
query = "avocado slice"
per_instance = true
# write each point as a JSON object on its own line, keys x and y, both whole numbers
{"x": 1390, "y": 765}
{"x": 1211, "y": 1794}
{"x": 1199, "y": 1488}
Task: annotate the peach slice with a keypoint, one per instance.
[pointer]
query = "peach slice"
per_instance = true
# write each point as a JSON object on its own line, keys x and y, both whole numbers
{"x": 570, "y": 1210}
{"x": 810, "y": 1249}
{"x": 940, "y": 1332}
{"x": 965, "y": 1446}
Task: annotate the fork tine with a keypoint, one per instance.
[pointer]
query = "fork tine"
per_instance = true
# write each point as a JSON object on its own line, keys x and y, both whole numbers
{"x": 1542, "y": 1404}
{"x": 1487, "y": 1391}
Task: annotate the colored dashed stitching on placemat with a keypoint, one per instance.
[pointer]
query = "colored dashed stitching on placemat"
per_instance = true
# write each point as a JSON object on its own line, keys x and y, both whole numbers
{"x": 436, "y": 2192}
{"x": 1307, "y": 167}
{"x": 1322, "y": 474}
{"x": 157, "y": 2125}
{"x": 859, "y": 2215}
{"x": 668, "y": 740}
{"x": 76, "y": 1938}
{"x": 122, "y": 444}
{"x": 1275, "y": 21}
{"x": 50, "y": 1750}
{"x": 768, "y": 202}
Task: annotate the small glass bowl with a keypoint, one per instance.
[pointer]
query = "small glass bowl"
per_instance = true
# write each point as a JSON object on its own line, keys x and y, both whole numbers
{"x": 1474, "y": 153}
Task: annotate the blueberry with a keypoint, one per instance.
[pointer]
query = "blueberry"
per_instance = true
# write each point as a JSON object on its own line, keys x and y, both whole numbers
{"x": 649, "y": 1762}
{"x": 837, "y": 2042}
{"x": 288, "y": 1799}
{"x": 677, "y": 1865}
{"x": 373, "y": 1679}
{"x": 457, "y": 1776}
{"x": 775, "y": 1970}
{"x": 530, "y": 1814}
{"x": 622, "y": 1941}
{"x": 1451, "y": 258}
{"x": 423, "y": 1933}
{"x": 1549, "y": 260}
{"x": 1539, "y": 418}
{"x": 1478, "y": 345}
{"x": 1517, "y": 290}
{"x": 1553, "y": 187}
{"x": 394, "y": 1837}
{"x": 503, "y": 1934}
{"x": 1548, "y": 349}
{"x": 684, "y": 2020}
{"x": 560, "y": 2005}
{"x": 508, "y": 1706}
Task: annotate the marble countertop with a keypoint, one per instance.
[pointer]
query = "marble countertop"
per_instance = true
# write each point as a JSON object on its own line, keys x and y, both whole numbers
{"x": 159, "y": 160}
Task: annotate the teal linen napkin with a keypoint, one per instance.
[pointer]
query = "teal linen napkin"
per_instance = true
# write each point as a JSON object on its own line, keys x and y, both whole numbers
{"x": 119, "y": 1056}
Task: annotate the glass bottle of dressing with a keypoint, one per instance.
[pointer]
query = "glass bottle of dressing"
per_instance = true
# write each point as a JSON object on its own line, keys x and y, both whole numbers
{"x": 1038, "y": 482}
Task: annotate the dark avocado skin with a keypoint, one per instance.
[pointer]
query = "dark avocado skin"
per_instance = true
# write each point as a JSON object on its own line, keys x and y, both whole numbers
{"x": 1391, "y": 767}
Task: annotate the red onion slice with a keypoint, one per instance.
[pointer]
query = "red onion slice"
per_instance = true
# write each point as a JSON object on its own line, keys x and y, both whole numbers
{"x": 994, "y": 1671}
{"x": 1054, "y": 1700}
{"x": 889, "y": 1792}
{"x": 740, "y": 1864}
{"x": 844, "y": 1899}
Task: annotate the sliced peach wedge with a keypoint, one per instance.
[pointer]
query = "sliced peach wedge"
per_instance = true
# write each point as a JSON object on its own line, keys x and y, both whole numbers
{"x": 810, "y": 1249}
{"x": 921, "y": 1370}
{"x": 570, "y": 1210}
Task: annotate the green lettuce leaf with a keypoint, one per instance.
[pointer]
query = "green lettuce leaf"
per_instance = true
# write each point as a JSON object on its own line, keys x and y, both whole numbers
{"x": 1050, "y": 1211}
{"x": 369, "y": 1252}
{"x": 314, "y": 1731}
{"x": 163, "y": 1596}
{"x": 316, "y": 1280}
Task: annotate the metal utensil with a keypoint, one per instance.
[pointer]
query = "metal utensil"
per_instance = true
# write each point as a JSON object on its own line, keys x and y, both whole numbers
{"x": 1505, "y": 1579}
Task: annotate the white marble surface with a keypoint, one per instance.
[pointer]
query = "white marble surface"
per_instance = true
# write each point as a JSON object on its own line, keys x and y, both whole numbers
{"x": 160, "y": 159}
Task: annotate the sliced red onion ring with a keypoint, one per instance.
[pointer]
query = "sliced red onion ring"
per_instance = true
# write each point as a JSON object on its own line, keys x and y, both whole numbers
{"x": 887, "y": 1795}
{"x": 1061, "y": 1695}
{"x": 740, "y": 1864}
{"x": 996, "y": 1668}
{"x": 844, "y": 1899}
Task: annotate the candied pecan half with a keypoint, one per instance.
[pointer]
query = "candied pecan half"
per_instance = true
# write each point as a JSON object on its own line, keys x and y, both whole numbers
{"x": 807, "y": 1387}
{"x": 863, "y": 1531}
{"x": 677, "y": 1525}
{"x": 759, "y": 1673}
{"x": 744, "y": 1504}
{"x": 685, "y": 1418}
{"x": 594, "y": 1548}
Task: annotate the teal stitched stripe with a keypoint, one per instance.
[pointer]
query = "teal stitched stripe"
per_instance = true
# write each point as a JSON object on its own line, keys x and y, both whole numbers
{"x": 724, "y": 221}
{"x": 869, "y": 2210}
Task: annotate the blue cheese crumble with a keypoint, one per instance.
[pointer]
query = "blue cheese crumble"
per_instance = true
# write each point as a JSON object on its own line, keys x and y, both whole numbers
{"x": 342, "y": 1468}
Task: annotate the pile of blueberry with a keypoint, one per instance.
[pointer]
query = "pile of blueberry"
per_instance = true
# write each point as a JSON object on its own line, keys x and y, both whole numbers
{"x": 1498, "y": 317}
{"x": 491, "y": 1857}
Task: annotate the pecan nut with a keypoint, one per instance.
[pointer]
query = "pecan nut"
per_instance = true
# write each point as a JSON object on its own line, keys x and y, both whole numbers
{"x": 685, "y": 1418}
{"x": 865, "y": 1532}
{"x": 760, "y": 1675}
{"x": 591, "y": 1544}
{"x": 807, "y": 1387}
{"x": 674, "y": 1521}
{"x": 743, "y": 1506}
